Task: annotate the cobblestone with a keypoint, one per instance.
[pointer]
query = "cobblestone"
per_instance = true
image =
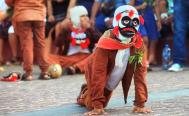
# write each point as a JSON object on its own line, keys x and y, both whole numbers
{"x": 25, "y": 96}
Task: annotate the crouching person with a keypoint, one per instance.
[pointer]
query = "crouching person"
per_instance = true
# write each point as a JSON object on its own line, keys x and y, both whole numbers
{"x": 118, "y": 57}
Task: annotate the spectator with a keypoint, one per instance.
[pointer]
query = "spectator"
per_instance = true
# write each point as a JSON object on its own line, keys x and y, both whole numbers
{"x": 31, "y": 32}
{"x": 12, "y": 39}
{"x": 166, "y": 12}
{"x": 4, "y": 24}
{"x": 57, "y": 10}
{"x": 76, "y": 41}
{"x": 181, "y": 21}
{"x": 102, "y": 11}
{"x": 151, "y": 26}
{"x": 13, "y": 42}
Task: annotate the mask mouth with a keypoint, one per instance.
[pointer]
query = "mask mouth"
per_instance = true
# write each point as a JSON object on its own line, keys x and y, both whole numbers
{"x": 127, "y": 32}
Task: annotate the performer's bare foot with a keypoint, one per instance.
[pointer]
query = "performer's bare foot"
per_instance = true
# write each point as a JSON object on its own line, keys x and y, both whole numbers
{"x": 96, "y": 112}
{"x": 141, "y": 110}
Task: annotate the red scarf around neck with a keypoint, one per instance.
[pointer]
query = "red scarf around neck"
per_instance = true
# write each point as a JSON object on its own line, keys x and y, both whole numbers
{"x": 112, "y": 44}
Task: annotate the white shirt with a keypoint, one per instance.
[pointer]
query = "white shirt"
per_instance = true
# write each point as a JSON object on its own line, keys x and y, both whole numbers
{"x": 118, "y": 70}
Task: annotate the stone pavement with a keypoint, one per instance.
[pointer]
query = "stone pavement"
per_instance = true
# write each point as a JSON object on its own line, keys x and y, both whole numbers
{"x": 168, "y": 95}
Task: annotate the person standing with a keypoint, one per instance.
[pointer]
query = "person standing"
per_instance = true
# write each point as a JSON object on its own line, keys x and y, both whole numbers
{"x": 102, "y": 13}
{"x": 29, "y": 20}
{"x": 3, "y": 28}
{"x": 181, "y": 19}
{"x": 151, "y": 26}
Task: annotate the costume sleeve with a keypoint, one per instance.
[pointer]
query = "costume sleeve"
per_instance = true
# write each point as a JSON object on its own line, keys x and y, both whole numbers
{"x": 99, "y": 77}
{"x": 141, "y": 93}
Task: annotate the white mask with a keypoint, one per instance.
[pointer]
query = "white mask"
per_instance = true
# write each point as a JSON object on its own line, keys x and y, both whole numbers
{"x": 75, "y": 14}
{"x": 126, "y": 23}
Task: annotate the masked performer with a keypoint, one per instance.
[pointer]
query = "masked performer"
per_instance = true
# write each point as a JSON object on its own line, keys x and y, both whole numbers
{"x": 118, "y": 57}
{"x": 77, "y": 41}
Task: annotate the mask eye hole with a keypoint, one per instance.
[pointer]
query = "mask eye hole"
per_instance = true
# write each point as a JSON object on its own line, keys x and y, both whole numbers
{"x": 135, "y": 22}
{"x": 125, "y": 20}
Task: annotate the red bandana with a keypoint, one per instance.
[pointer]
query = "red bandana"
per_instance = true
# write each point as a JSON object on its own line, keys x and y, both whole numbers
{"x": 85, "y": 41}
{"x": 112, "y": 44}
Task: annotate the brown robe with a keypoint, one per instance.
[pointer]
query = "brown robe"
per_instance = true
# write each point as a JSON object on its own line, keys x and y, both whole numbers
{"x": 97, "y": 71}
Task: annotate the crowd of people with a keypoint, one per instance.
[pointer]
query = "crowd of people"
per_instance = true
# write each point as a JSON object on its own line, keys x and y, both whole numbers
{"x": 61, "y": 22}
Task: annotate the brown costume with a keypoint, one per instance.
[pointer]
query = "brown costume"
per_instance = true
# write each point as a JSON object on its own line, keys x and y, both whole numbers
{"x": 76, "y": 59}
{"x": 28, "y": 18}
{"x": 97, "y": 72}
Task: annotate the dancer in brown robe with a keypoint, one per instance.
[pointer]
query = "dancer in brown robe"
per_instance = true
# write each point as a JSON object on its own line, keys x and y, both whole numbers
{"x": 77, "y": 40}
{"x": 118, "y": 57}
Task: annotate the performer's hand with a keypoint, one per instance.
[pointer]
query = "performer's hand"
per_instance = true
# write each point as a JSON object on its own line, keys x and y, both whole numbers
{"x": 96, "y": 112}
{"x": 141, "y": 110}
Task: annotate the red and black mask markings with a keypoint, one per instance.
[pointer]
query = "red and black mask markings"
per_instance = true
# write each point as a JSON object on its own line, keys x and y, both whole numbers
{"x": 129, "y": 29}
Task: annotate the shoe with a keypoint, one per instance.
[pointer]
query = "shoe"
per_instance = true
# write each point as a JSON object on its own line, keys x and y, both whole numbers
{"x": 12, "y": 77}
{"x": 71, "y": 70}
{"x": 175, "y": 68}
{"x": 27, "y": 77}
{"x": 44, "y": 76}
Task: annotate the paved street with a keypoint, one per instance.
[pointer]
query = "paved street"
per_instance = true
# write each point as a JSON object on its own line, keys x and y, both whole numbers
{"x": 168, "y": 95}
